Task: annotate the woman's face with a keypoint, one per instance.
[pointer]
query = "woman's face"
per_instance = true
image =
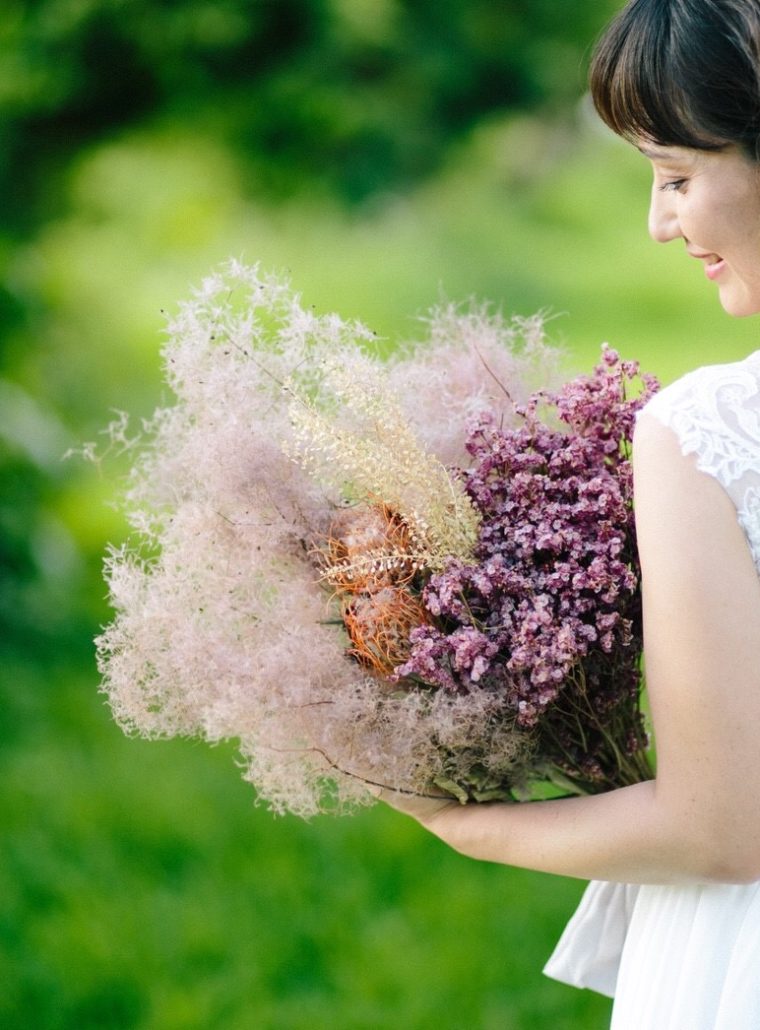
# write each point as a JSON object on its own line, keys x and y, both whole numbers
{"x": 711, "y": 200}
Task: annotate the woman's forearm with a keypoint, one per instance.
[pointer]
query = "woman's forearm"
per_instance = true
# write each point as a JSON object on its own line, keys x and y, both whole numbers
{"x": 628, "y": 835}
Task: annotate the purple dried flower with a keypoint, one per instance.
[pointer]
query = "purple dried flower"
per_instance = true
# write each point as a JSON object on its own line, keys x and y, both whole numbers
{"x": 549, "y": 617}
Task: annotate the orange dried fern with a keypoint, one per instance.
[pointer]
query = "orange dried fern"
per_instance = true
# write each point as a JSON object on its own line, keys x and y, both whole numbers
{"x": 368, "y": 559}
{"x": 379, "y": 625}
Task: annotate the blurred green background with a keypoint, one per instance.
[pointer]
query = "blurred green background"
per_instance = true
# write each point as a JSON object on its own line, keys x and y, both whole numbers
{"x": 382, "y": 151}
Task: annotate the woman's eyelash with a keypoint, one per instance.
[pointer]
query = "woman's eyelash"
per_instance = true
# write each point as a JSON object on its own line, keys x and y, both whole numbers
{"x": 673, "y": 185}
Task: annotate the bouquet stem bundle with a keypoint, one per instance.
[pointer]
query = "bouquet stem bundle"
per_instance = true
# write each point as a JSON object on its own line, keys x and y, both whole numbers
{"x": 418, "y": 573}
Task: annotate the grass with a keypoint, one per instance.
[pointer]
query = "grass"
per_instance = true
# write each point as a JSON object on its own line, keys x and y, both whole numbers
{"x": 141, "y": 888}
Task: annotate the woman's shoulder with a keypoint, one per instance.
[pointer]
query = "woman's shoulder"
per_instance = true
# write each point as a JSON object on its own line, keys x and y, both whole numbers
{"x": 714, "y": 413}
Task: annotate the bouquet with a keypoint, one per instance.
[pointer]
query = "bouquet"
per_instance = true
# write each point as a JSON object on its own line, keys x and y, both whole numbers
{"x": 417, "y": 572}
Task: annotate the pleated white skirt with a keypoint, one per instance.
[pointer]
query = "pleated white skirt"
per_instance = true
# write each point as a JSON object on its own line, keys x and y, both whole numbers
{"x": 674, "y": 958}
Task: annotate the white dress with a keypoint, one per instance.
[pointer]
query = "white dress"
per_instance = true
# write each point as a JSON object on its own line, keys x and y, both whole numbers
{"x": 684, "y": 957}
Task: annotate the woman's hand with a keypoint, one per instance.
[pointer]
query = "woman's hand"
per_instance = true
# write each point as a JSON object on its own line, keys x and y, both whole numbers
{"x": 425, "y": 809}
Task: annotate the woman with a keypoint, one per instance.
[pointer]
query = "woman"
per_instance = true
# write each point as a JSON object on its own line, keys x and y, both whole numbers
{"x": 672, "y": 928}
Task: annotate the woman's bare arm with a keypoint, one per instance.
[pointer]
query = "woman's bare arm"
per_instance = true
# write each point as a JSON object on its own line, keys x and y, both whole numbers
{"x": 700, "y": 819}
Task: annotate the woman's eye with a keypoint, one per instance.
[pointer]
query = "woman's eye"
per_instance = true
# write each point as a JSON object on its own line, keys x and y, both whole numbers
{"x": 673, "y": 186}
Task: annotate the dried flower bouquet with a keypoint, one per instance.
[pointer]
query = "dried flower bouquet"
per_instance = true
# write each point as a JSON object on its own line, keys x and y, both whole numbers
{"x": 418, "y": 572}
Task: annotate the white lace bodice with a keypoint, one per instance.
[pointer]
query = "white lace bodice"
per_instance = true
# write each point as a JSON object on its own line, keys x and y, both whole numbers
{"x": 715, "y": 413}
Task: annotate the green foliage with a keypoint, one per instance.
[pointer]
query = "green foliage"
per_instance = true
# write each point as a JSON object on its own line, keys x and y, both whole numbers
{"x": 353, "y": 96}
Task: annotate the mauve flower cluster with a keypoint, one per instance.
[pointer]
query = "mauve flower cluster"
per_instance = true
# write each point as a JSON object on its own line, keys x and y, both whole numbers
{"x": 548, "y": 618}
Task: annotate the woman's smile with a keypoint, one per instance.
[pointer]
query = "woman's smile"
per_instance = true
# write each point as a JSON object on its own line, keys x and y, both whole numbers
{"x": 713, "y": 264}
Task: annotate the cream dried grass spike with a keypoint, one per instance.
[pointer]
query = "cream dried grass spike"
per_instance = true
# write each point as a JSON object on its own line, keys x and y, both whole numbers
{"x": 362, "y": 443}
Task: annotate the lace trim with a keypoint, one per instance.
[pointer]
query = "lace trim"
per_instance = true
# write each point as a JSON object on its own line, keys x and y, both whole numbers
{"x": 715, "y": 414}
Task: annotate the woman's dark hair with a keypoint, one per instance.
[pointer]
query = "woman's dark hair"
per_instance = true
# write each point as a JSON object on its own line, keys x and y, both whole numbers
{"x": 682, "y": 73}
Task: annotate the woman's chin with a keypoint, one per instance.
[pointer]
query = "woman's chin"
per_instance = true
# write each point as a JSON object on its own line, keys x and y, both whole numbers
{"x": 739, "y": 303}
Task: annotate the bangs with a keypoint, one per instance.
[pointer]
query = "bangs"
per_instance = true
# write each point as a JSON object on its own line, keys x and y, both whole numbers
{"x": 642, "y": 83}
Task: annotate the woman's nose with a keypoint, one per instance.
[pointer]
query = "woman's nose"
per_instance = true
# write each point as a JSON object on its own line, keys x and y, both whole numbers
{"x": 663, "y": 217}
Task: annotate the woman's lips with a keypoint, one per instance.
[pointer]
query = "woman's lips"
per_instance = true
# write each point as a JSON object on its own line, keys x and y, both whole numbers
{"x": 714, "y": 268}
{"x": 714, "y": 264}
